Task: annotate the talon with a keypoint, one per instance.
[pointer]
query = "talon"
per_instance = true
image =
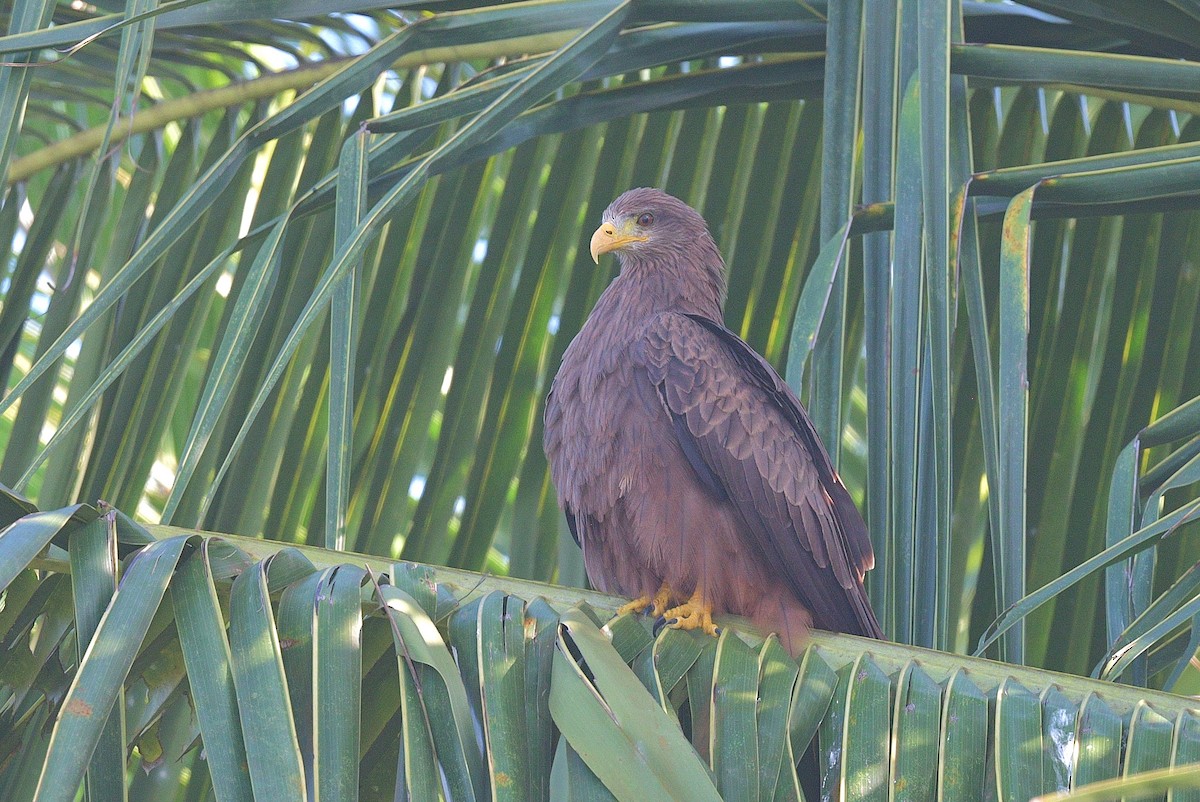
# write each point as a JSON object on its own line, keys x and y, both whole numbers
{"x": 655, "y": 605}
{"x": 696, "y": 613}
{"x": 661, "y": 600}
{"x": 659, "y": 623}
{"x": 635, "y": 607}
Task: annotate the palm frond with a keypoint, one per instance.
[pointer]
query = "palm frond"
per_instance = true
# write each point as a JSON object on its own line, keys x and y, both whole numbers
{"x": 298, "y": 662}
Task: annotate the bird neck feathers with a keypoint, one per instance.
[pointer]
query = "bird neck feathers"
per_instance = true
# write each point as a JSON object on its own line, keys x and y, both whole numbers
{"x": 692, "y": 283}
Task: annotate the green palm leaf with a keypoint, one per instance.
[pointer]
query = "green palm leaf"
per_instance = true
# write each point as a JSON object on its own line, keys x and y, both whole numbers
{"x": 616, "y": 695}
{"x": 302, "y": 270}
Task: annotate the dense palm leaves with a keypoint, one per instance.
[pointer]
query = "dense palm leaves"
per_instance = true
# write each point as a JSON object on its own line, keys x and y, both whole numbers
{"x": 306, "y": 669}
{"x": 301, "y": 271}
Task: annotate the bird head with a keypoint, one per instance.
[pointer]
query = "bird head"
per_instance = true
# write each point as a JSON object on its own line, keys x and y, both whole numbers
{"x": 647, "y": 224}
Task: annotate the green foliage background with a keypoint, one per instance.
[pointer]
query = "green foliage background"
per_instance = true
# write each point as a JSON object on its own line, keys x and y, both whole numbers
{"x": 302, "y": 270}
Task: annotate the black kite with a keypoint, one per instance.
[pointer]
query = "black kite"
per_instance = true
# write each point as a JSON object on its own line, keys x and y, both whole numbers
{"x": 689, "y": 472}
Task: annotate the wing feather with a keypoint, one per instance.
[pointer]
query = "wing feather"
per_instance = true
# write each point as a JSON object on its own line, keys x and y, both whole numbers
{"x": 749, "y": 440}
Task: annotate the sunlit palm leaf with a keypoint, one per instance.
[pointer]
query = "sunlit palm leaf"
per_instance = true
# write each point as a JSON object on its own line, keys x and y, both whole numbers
{"x": 272, "y": 641}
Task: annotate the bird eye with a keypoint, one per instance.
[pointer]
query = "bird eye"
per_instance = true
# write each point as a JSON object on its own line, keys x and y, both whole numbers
{"x": 646, "y": 219}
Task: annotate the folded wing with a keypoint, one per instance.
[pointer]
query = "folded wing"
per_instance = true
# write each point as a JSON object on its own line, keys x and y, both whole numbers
{"x": 750, "y": 442}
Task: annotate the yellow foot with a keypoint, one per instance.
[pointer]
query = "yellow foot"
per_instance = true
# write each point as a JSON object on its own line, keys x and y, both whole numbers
{"x": 693, "y": 614}
{"x": 658, "y": 602}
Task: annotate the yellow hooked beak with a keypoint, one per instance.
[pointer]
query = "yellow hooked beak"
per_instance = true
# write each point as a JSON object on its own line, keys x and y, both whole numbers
{"x": 608, "y": 238}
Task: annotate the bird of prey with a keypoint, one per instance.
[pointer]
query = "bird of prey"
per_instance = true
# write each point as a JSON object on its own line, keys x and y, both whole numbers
{"x": 689, "y": 472}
